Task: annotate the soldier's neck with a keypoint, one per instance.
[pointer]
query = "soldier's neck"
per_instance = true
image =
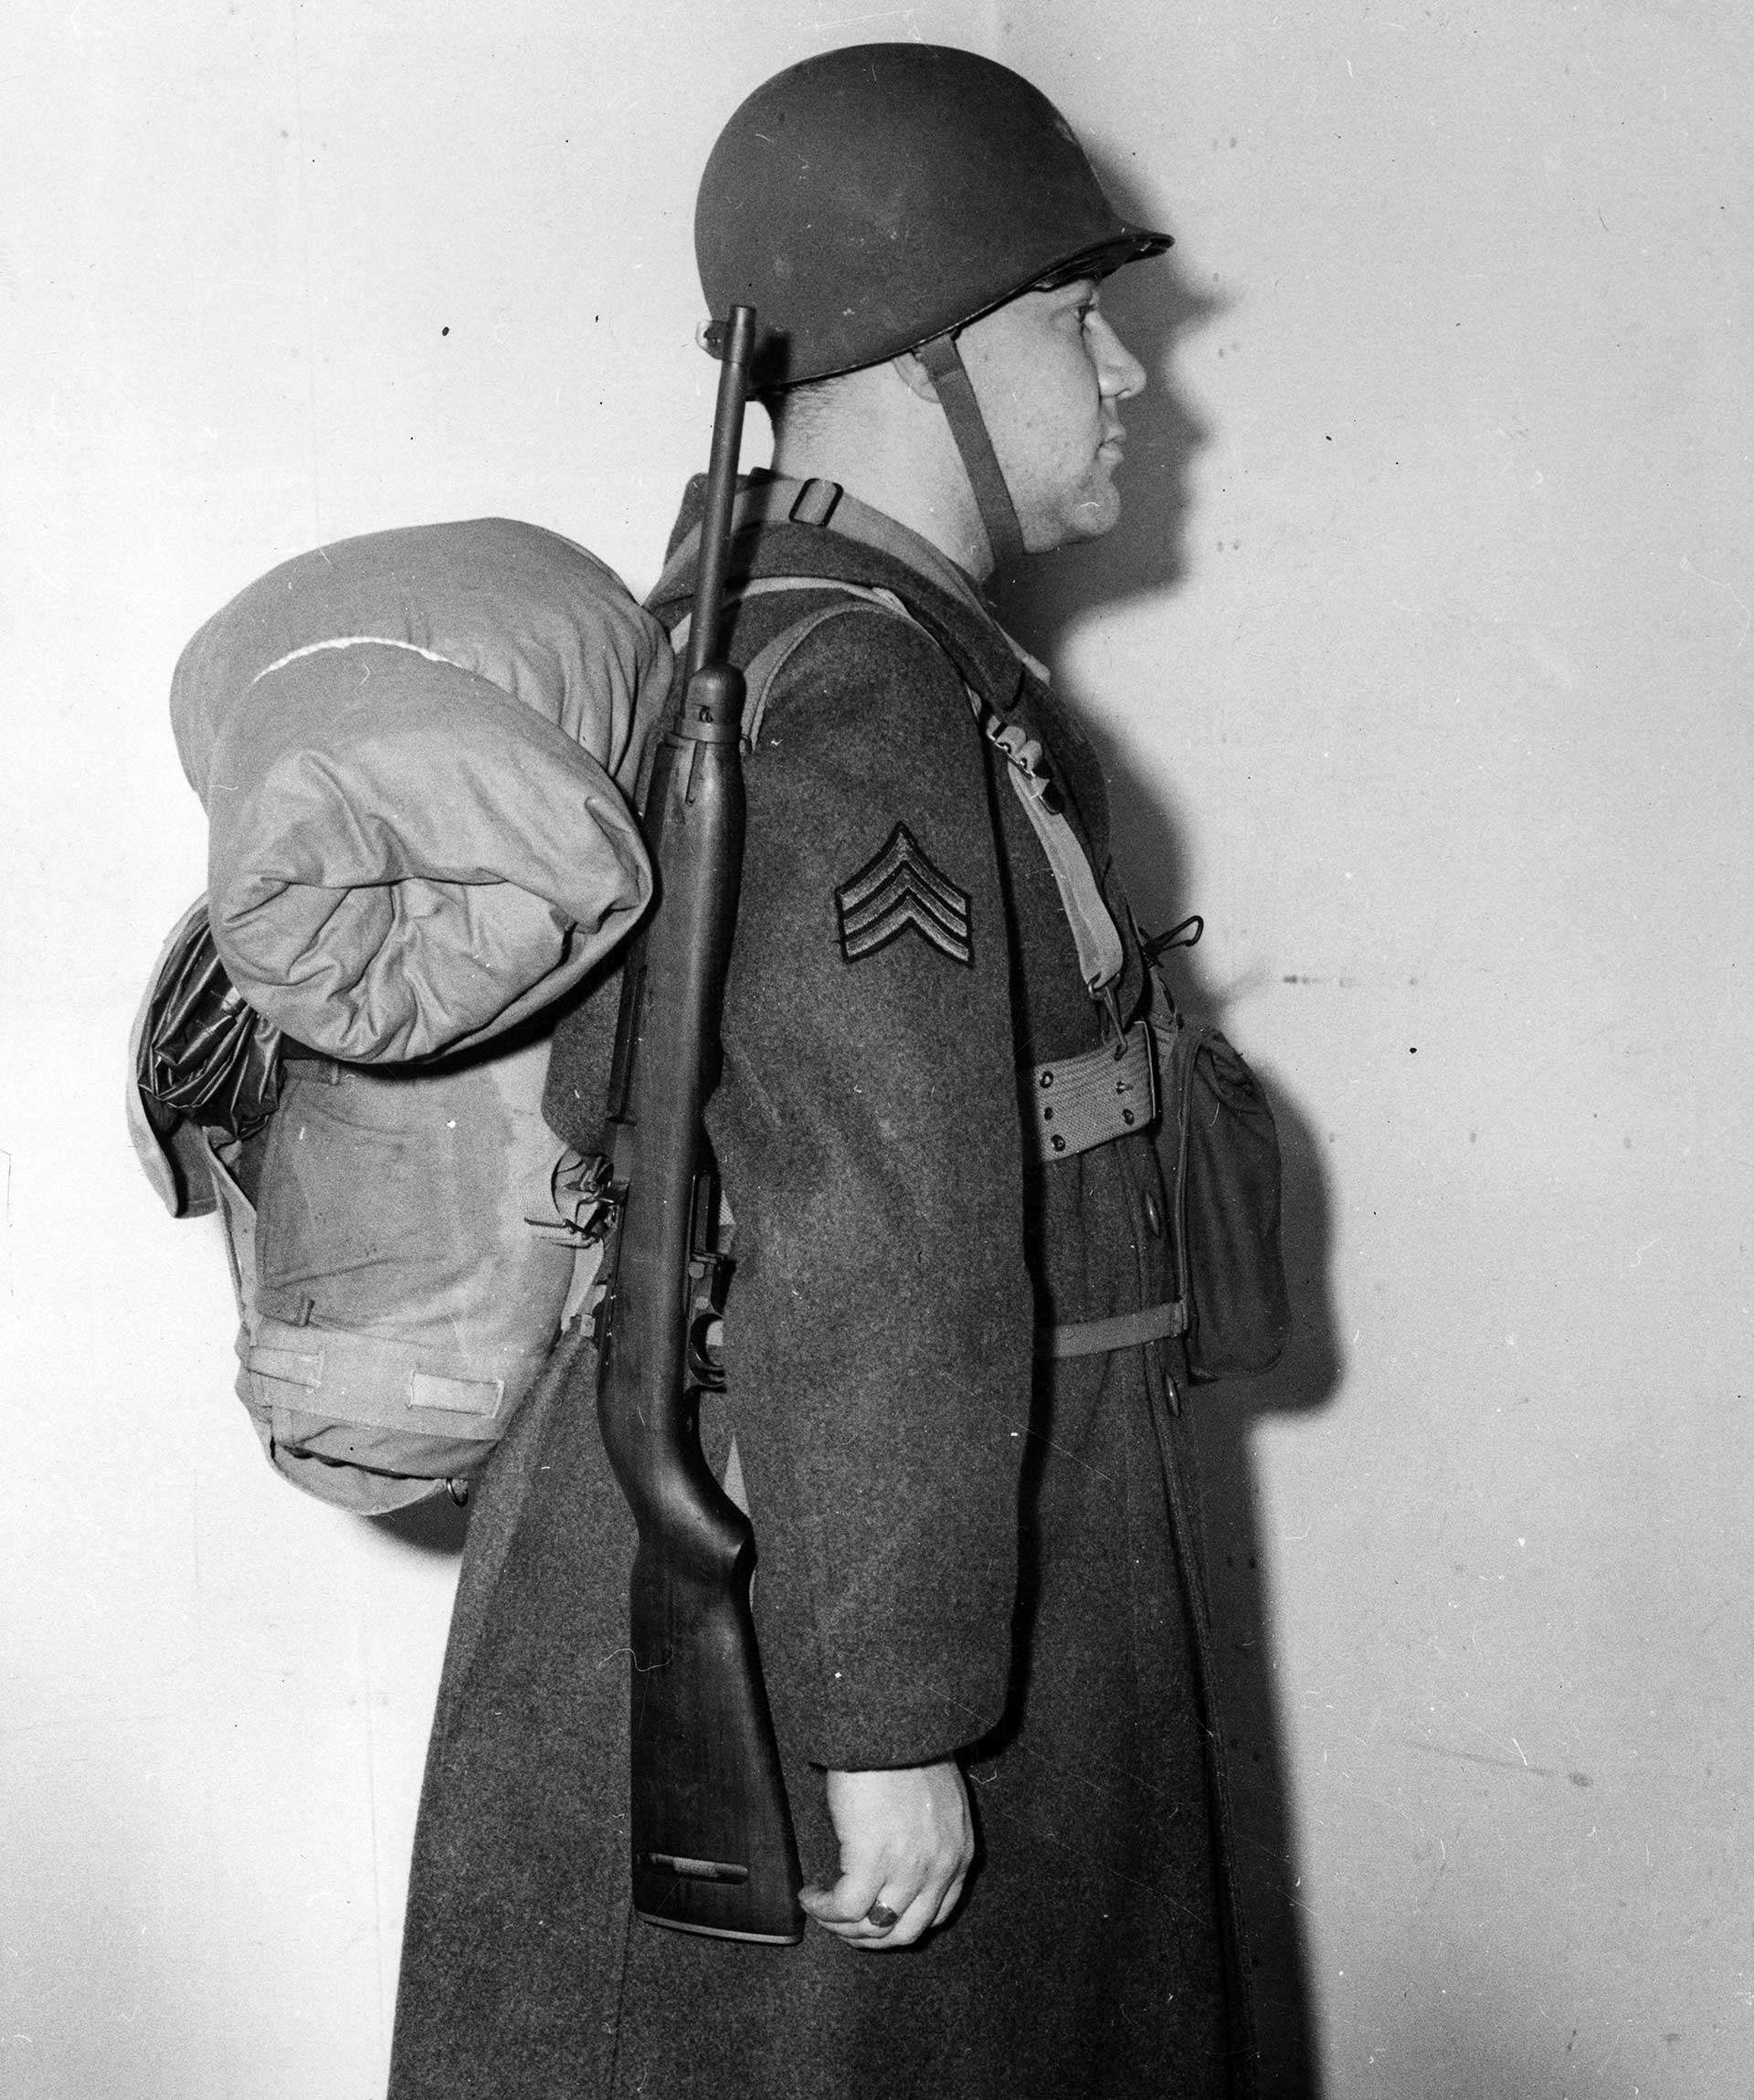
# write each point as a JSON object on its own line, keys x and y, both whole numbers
{"x": 902, "y": 465}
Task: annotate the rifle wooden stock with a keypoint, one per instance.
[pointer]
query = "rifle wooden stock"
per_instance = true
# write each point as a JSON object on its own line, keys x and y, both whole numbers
{"x": 713, "y": 1845}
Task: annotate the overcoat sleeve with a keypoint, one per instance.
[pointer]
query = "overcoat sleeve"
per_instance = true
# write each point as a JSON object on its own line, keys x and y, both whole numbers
{"x": 878, "y": 1331}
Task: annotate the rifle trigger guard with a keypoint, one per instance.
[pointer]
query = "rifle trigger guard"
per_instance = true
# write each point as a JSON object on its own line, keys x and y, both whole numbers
{"x": 711, "y": 1274}
{"x": 705, "y": 1364}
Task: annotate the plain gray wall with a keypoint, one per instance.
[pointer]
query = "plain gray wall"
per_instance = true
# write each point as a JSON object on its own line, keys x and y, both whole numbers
{"x": 1421, "y": 655}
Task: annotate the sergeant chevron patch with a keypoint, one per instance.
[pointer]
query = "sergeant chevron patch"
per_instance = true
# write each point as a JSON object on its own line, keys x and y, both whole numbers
{"x": 899, "y": 888}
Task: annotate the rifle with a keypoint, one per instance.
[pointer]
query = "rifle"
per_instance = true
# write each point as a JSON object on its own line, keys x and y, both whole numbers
{"x": 713, "y": 1845}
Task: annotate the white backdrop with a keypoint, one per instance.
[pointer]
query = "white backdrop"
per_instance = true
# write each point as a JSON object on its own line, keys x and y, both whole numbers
{"x": 1422, "y": 654}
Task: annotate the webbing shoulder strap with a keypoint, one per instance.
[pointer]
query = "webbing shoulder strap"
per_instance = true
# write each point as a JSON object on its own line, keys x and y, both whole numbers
{"x": 767, "y": 662}
{"x": 760, "y": 587}
{"x": 1101, "y": 956}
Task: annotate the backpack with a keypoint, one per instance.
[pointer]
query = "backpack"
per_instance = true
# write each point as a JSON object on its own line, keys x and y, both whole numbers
{"x": 417, "y": 751}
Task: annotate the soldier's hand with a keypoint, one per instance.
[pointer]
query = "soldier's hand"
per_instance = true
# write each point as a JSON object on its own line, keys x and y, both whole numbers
{"x": 906, "y": 1844}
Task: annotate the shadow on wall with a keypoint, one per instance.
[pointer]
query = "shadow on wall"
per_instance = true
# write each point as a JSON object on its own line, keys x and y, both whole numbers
{"x": 1153, "y": 307}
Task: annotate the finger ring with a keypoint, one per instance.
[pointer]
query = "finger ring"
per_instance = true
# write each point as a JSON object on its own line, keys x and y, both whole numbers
{"x": 881, "y": 1917}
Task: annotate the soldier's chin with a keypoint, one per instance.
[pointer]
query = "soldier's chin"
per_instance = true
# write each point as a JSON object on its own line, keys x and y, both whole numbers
{"x": 1085, "y": 517}
{"x": 1094, "y": 515}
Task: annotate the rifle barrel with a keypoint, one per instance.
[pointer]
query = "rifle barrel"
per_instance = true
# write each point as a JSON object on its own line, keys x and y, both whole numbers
{"x": 721, "y": 488}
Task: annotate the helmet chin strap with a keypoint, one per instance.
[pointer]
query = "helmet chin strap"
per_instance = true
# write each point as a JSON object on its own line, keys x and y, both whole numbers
{"x": 956, "y": 393}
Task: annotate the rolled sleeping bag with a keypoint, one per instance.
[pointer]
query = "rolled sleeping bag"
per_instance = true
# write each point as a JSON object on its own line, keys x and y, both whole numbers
{"x": 417, "y": 751}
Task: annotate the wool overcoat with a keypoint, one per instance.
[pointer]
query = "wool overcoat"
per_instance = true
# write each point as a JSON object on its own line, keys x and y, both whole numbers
{"x": 964, "y": 1547}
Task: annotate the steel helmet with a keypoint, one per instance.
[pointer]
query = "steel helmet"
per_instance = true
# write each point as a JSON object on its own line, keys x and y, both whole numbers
{"x": 876, "y": 199}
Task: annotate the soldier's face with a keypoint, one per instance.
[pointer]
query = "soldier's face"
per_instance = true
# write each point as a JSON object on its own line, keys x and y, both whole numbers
{"x": 1049, "y": 373}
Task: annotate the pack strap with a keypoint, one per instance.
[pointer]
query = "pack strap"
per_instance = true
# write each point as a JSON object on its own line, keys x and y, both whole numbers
{"x": 769, "y": 586}
{"x": 1101, "y": 957}
{"x": 768, "y": 661}
{"x": 1078, "y": 1102}
{"x": 1124, "y": 1331}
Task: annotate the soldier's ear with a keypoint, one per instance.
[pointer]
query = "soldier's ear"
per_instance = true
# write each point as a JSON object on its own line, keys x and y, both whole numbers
{"x": 915, "y": 376}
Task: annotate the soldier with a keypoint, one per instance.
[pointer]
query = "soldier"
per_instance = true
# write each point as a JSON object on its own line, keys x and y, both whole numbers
{"x": 955, "y": 1400}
